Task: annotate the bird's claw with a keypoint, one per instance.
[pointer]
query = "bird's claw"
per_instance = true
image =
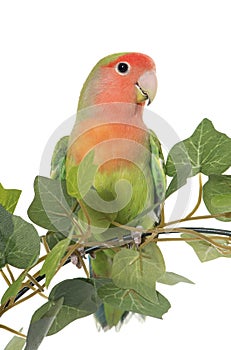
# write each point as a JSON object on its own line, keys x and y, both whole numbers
{"x": 137, "y": 236}
{"x": 78, "y": 256}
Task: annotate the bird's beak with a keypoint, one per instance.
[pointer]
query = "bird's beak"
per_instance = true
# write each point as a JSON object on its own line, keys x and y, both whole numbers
{"x": 146, "y": 87}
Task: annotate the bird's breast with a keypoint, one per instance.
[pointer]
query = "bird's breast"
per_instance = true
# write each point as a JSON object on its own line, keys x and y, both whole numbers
{"x": 112, "y": 144}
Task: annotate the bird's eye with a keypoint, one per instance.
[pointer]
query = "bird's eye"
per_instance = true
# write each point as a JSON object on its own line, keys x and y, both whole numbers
{"x": 123, "y": 68}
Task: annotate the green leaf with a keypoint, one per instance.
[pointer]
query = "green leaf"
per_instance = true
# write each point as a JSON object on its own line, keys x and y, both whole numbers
{"x": 81, "y": 178}
{"x": 217, "y": 195}
{"x": 9, "y": 198}
{"x": 19, "y": 241}
{"x": 139, "y": 270}
{"x": 100, "y": 281}
{"x": 52, "y": 208}
{"x": 16, "y": 343}
{"x": 172, "y": 278}
{"x": 23, "y": 247}
{"x": 80, "y": 300}
{"x": 179, "y": 179}
{"x": 130, "y": 300}
{"x": 86, "y": 174}
{"x": 13, "y": 289}
{"x": 68, "y": 301}
{"x": 99, "y": 223}
{"x": 41, "y": 323}
{"x": 52, "y": 238}
{"x": 53, "y": 259}
{"x": 100, "y": 211}
{"x": 6, "y": 225}
{"x": 208, "y": 151}
{"x": 204, "y": 250}
{"x": 107, "y": 315}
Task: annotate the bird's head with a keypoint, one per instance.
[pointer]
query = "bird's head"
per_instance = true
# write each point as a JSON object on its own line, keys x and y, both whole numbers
{"x": 122, "y": 77}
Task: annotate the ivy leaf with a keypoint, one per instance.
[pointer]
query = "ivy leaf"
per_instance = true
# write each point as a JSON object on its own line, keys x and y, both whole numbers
{"x": 19, "y": 241}
{"x": 52, "y": 208}
{"x": 9, "y": 198}
{"x": 207, "y": 150}
{"x": 86, "y": 173}
{"x": 179, "y": 179}
{"x": 80, "y": 300}
{"x": 6, "y": 229}
{"x": 41, "y": 322}
{"x": 107, "y": 315}
{"x": 204, "y": 250}
{"x": 13, "y": 289}
{"x": 99, "y": 223}
{"x": 172, "y": 278}
{"x": 81, "y": 178}
{"x": 52, "y": 238}
{"x": 139, "y": 270}
{"x": 217, "y": 195}
{"x": 76, "y": 298}
{"x": 53, "y": 259}
{"x": 130, "y": 300}
{"x": 23, "y": 247}
{"x": 16, "y": 343}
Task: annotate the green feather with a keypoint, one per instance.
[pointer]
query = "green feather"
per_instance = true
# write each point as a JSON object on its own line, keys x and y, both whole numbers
{"x": 158, "y": 171}
{"x": 58, "y": 161}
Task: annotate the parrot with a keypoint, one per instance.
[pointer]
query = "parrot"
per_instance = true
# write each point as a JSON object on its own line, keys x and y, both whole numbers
{"x": 112, "y": 163}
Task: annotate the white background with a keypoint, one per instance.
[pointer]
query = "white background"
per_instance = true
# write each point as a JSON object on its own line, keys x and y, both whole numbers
{"x": 47, "y": 50}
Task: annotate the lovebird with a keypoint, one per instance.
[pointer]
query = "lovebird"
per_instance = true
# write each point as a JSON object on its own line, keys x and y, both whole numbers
{"x": 112, "y": 163}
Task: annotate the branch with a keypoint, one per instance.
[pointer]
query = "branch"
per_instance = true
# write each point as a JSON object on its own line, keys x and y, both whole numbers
{"x": 126, "y": 240}
{"x": 12, "y": 331}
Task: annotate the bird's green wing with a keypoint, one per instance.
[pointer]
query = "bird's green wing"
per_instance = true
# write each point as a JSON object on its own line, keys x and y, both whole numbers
{"x": 158, "y": 171}
{"x": 58, "y": 161}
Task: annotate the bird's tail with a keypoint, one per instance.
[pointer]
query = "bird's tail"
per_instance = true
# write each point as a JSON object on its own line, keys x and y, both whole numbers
{"x": 106, "y": 316}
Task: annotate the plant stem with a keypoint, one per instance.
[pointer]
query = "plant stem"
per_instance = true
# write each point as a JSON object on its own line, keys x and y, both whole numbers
{"x": 10, "y": 273}
{"x": 198, "y": 200}
{"x": 82, "y": 206}
{"x": 28, "y": 297}
{"x": 199, "y": 217}
{"x": 45, "y": 244}
{"x": 34, "y": 281}
{"x": 12, "y": 331}
{"x": 131, "y": 228}
{"x": 162, "y": 217}
{"x": 84, "y": 267}
{"x": 5, "y": 277}
{"x": 202, "y": 237}
{"x": 40, "y": 293}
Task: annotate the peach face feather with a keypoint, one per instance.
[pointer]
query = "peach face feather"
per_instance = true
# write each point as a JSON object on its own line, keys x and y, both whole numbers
{"x": 128, "y": 78}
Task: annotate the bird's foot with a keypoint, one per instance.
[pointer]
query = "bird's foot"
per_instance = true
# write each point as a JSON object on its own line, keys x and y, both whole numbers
{"x": 137, "y": 236}
{"x": 78, "y": 256}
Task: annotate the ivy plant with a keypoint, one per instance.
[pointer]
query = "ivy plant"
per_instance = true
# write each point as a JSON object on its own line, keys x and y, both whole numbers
{"x": 136, "y": 271}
